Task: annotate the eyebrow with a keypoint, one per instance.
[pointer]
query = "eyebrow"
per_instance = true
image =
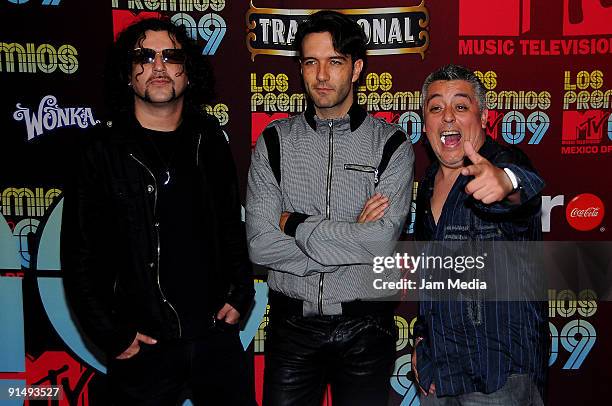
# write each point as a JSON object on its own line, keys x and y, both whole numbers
{"x": 432, "y": 96}
{"x": 467, "y": 96}
{"x": 340, "y": 56}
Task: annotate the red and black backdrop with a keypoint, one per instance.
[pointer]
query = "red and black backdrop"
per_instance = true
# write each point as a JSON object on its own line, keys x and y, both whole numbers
{"x": 545, "y": 64}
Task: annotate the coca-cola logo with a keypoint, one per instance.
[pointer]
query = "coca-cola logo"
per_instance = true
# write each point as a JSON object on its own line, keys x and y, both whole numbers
{"x": 585, "y": 212}
{"x": 590, "y": 212}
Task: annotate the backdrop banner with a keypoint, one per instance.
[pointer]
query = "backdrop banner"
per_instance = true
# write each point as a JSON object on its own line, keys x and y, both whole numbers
{"x": 545, "y": 65}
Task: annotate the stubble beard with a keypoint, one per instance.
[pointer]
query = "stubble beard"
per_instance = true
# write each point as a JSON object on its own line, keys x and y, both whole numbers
{"x": 321, "y": 104}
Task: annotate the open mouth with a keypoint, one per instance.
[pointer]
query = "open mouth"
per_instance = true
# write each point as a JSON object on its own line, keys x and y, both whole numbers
{"x": 450, "y": 139}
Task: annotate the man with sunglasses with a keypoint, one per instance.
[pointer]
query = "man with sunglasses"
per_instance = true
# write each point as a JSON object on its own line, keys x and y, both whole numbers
{"x": 153, "y": 245}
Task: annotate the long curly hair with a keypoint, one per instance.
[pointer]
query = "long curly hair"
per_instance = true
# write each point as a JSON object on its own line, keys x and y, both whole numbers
{"x": 119, "y": 95}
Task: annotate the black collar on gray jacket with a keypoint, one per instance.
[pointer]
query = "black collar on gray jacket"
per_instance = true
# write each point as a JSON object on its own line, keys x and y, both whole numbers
{"x": 355, "y": 113}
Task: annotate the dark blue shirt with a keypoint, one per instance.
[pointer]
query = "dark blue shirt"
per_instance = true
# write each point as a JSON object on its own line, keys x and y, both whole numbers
{"x": 474, "y": 345}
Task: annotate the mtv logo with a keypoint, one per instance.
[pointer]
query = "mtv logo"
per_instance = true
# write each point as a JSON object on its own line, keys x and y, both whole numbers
{"x": 388, "y": 116}
{"x": 583, "y": 127}
{"x": 59, "y": 368}
{"x": 124, "y": 18}
{"x": 587, "y": 17}
{"x": 259, "y": 121}
{"x": 494, "y": 119}
{"x": 501, "y": 18}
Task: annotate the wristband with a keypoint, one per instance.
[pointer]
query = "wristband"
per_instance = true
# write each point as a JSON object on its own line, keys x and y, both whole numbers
{"x": 294, "y": 220}
{"x": 513, "y": 179}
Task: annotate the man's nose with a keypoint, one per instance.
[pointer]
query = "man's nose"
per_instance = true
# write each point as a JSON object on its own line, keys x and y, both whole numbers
{"x": 322, "y": 73}
{"x": 158, "y": 62}
{"x": 448, "y": 116}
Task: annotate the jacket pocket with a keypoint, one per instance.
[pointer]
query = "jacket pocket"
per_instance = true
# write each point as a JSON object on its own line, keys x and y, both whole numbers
{"x": 362, "y": 168}
{"x": 125, "y": 189}
{"x": 129, "y": 202}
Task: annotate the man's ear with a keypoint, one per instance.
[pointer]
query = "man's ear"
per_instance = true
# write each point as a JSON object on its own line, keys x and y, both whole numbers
{"x": 357, "y": 67}
{"x": 484, "y": 118}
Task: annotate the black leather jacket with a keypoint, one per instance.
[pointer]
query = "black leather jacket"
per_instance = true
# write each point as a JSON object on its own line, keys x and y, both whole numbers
{"x": 110, "y": 251}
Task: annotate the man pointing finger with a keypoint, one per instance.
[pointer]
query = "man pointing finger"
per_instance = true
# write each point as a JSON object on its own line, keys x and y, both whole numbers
{"x": 490, "y": 184}
{"x": 476, "y": 190}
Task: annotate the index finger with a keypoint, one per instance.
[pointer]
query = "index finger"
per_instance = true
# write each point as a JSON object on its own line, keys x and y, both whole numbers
{"x": 472, "y": 170}
{"x": 471, "y": 153}
{"x": 374, "y": 198}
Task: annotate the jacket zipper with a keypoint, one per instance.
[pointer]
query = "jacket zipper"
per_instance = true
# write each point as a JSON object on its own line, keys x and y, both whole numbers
{"x": 161, "y": 292}
{"x": 330, "y": 161}
{"x": 363, "y": 168}
{"x": 198, "y": 150}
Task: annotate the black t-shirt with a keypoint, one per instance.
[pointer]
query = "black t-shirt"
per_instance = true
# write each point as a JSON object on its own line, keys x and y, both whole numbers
{"x": 183, "y": 231}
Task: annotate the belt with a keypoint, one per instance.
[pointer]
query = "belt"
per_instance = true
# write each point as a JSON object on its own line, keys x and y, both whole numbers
{"x": 287, "y": 306}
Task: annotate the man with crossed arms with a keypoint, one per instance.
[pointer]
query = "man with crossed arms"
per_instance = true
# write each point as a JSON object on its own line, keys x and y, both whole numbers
{"x": 310, "y": 176}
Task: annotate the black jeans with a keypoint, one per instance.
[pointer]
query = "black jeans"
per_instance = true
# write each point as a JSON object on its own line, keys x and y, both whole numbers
{"x": 210, "y": 371}
{"x": 355, "y": 355}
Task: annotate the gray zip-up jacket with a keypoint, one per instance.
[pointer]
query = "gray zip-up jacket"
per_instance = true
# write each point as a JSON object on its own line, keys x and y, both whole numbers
{"x": 328, "y": 170}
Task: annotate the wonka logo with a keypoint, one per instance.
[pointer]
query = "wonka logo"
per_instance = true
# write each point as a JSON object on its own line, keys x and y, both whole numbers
{"x": 50, "y": 116}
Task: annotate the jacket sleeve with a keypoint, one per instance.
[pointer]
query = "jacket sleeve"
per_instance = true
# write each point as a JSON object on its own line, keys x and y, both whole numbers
{"x": 233, "y": 236}
{"x": 268, "y": 245}
{"x": 340, "y": 243}
{"x": 88, "y": 283}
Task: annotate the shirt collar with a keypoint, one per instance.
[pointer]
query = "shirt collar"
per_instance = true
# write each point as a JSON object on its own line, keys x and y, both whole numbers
{"x": 356, "y": 116}
{"x": 489, "y": 148}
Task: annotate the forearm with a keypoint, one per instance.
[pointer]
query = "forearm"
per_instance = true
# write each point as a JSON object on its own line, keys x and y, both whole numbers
{"x": 337, "y": 243}
{"x": 271, "y": 248}
{"x": 241, "y": 289}
{"x": 268, "y": 245}
{"x": 88, "y": 275}
{"x": 419, "y": 329}
{"x": 341, "y": 243}
{"x": 89, "y": 289}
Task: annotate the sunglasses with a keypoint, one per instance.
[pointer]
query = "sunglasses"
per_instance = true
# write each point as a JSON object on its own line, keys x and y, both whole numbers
{"x": 147, "y": 55}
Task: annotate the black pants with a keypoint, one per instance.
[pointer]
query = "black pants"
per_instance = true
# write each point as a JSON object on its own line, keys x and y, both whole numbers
{"x": 355, "y": 355}
{"x": 210, "y": 371}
